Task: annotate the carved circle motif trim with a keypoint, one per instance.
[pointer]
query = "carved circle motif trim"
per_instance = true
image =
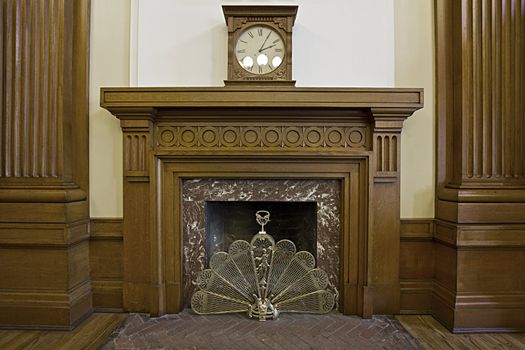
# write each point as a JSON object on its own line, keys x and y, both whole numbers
{"x": 167, "y": 136}
{"x": 251, "y": 136}
{"x": 272, "y": 136}
{"x": 314, "y": 136}
{"x": 293, "y": 136}
{"x": 262, "y": 136}
{"x": 230, "y": 136}
{"x": 335, "y": 137}
{"x": 208, "y": 136}
{"x": 188, "y": 136}
{"x": 355, "y": 137}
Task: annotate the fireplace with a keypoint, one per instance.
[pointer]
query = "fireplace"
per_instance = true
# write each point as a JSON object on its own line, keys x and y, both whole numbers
{"x": 288, "y": 200}
{"x": 228, "y": 221}
{"x": 337, "y": 148}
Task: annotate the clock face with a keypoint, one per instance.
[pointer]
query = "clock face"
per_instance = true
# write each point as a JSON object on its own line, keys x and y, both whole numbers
{"x": 259, "y": 50}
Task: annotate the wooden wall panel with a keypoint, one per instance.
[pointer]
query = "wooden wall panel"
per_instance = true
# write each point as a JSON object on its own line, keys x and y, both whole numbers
{"x": 44, "y": 212}
{"x": 480, "y": 197}
{"x": 106, "y": 262}
{"x": 416, "y": 266}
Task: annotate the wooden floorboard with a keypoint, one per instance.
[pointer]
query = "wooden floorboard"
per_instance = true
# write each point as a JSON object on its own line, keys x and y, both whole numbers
{"x": 89, "y": 335}
{"x": 433, "y": 336}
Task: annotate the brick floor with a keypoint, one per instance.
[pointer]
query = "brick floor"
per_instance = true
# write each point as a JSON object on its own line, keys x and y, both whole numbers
{"x": 231, "y": 332}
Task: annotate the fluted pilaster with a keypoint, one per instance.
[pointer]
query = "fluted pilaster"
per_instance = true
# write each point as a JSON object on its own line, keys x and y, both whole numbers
{"x": 44, "y": 216}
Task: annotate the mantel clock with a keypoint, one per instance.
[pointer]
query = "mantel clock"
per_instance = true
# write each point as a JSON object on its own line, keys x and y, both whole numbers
{"x": 260, "y": 44}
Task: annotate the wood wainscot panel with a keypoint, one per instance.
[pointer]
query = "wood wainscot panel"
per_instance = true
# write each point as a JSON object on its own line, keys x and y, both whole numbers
{"x": 350, "y": 135}
{"x": 44, "y": 175}
{"x": 106, "y": 262}
{"x": 416, "y": 265}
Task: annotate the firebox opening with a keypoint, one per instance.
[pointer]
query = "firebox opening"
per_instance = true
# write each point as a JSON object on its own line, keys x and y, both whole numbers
{"x": 228, "y": 221}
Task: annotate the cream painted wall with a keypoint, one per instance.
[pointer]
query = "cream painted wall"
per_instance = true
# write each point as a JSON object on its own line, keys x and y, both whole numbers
{"x": 415, "y": 68}
{"x": 109, "y": 66}
{"x": 335, "y": 42}
{"x": 368, "y": 49}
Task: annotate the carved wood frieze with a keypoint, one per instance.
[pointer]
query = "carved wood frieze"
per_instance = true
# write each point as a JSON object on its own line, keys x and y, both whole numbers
{"x": 284, "y": 136}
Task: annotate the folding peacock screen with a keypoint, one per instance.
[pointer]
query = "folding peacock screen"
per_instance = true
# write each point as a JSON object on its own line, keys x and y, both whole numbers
{"x": 263, "y": 279}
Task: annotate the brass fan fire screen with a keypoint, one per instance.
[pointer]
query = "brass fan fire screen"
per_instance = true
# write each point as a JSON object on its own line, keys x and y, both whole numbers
{"x": 263, "y": 279}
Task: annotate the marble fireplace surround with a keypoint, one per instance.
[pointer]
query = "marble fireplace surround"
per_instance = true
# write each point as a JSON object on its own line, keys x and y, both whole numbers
{"x": 173, "y": 136}
{"x": 195, "y": 193}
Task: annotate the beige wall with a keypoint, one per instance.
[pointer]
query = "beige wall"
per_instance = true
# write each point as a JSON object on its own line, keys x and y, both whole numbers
{"x": 414, "y": 44}
{"x": 110, "y": 66}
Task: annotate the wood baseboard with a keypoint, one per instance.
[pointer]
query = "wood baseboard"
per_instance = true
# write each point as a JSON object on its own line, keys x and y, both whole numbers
{"x": 60, "y": 310}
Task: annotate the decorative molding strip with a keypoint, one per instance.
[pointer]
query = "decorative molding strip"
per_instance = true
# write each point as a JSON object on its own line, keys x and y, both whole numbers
{"x": 261, "y": 136}
{"x": 497, "y": 236}
{"x": 43, "y": 234}
{"x": 417, "y": 229}
{"x": 480, "y": 236}
{"x": 106, "y": 229}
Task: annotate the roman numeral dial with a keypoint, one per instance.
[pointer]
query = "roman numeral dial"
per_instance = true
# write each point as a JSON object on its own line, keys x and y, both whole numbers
{"x": 259, "y": 49}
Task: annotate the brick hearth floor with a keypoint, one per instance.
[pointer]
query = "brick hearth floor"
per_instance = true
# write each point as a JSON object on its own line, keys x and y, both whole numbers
{"x": 291, "y": 331}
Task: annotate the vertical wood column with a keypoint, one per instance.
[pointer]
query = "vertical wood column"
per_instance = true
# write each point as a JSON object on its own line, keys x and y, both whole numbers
{"x": 382, "y": 293}
{"x": 44, "y": 212}
{"x": 142, "y": 250}
{"x": 480, "y": 201}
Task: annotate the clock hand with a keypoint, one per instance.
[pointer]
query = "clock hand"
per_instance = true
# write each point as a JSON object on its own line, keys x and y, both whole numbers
{"x": 266, "y": 48}
{"x": 264, "y": 42}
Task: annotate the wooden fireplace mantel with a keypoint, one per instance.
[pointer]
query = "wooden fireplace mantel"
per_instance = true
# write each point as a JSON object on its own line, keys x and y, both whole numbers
{"x": 288, "y": 97}
{"x": 348, "y": 134}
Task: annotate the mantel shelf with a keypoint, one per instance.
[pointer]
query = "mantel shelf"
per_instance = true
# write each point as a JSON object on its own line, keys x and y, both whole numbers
{"x": 262, "y": 97}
